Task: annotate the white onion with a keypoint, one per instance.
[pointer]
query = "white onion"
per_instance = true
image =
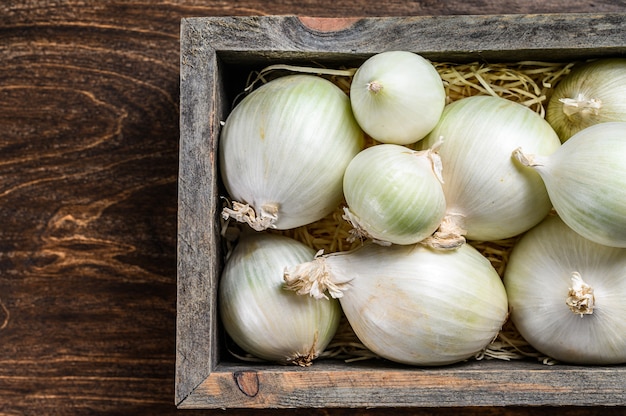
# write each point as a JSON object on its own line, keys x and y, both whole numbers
{"x": 394, "y": 194}
{"x": 592, "y": 93}
{"x": 567, "y": 293}
{"x": 262, "y": 317}
{"x": 586, "y": 181}
{"x": 397, "y": 97}
{"x": 283, "y": 151}
{"x": 489, "y": 197}
{"x": 409, "y": 303}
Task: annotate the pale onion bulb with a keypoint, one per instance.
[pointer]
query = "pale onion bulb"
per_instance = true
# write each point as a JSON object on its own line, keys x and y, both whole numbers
{"x": 489, "y": 197}
{"x": 410, "y": 303}
{"x": 586, "y": 181}
{"x": 567, "y": 293}
{"x": 263, "y": 318}
{"x": 592, "y": 93}
{"x": 283, "y": 150}
{"x": 394, "y": 194}
{"x": 397, "y": 97}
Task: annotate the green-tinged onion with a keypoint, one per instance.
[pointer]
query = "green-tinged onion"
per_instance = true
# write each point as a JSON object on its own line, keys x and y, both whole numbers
{"x": 586, "y": 181}
{"x": 263, "y": 318}
{"x": 394, "y": 194}
{"x": 397, "y": 97}
{"x": 283, "y": 151}
{"x": 489, "y": 197}
{"x": 592, "y": 93}
{"x": 410, "y": 303}
{"x": 566, "y": 295}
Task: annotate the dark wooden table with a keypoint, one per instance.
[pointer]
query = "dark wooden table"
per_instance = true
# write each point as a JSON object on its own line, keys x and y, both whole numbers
{"x": 88, "y": 195}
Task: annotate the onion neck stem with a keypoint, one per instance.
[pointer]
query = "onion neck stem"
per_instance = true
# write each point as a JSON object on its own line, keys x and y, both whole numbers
{"x": 580, "y": 298}
{"x": 305, "y": 360}
{"x": 312, "y": 278}
{"x": 374, "y": 87}
{"x": 450, "y": 235}
{"x": 358, "y": 231}
{"x": 581, "y": 105}
{"x": 245, "y": 213}
{"x": 525, "y": 159}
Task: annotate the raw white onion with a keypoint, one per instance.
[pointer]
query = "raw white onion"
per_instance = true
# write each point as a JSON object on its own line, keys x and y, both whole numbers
{"x": 394, "y": 194}
{"x": 586, "y": 181}
{"x": 283, "y": 151}
{"x": 567, "y": 293}
{"x": 409, "y": 303}
{"x": 397, "y": 97}
{"x": 262, "y": 317}
{"x": 489, "y": 197}
{"x": 592, "y": 93}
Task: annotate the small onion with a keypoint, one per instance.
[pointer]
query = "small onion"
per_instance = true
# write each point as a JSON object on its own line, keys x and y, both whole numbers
{"x": 409, "y": 303}
{"x": 394, "y": 194}
{"x": 566, "y": 295}
{"x": 592, "y": 93}
{"x": 586, "y": 181}
{"x": 263, "y": 318}
{"x": 397, "y": 97}
{"x": 489, "y": 197}
{"x": 283, "y": 151}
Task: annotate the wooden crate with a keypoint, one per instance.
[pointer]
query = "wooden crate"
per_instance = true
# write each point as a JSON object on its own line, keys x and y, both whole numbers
{"x": 217, "y": 54}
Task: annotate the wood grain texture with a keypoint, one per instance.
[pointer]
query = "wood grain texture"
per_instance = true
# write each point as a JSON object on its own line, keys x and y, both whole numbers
{"x": 89, "y": 94}
{"x": 384, "y": 385}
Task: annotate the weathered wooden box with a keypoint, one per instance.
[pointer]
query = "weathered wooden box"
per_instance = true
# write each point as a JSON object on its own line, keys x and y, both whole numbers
{"x": 217, "y": 53}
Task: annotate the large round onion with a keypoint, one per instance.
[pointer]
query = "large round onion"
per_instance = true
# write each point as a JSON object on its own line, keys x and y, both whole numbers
{"x": 397, "y": 97}
{"x": 394, "y": 194}
{"x": 490, "y": 196}
{"x": 261, "y": 317}
{"x": 586, "y": 181}
{"x": 409, "y": 303}
{"x": 592, "y": 93}
{"x": 283, "y": 151}
{"x": 566, "y": 295}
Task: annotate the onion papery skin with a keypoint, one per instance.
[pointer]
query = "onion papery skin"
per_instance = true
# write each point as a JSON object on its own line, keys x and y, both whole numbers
{"x": 397, "y": 97}
{"x": 537, "y": 279}
{"x": 586, "y": 181}
{"x": 596, "y": 89}
{"x": 418, "y": 306}
{"x": 284, "y": 148}
{"x": 263, "y": 318}
{"x": 394, "y": 194}
{"x": 489, "y": 196}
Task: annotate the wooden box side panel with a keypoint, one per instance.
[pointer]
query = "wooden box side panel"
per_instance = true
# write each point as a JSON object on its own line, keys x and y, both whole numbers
{"x": 554, "y": 37}
{"x": 199, "y": 258}
{"x": 202, "y": 380}
{"x": 485, "y": 383}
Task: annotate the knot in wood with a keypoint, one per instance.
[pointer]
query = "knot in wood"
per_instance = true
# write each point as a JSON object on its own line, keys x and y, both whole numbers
{"x": 247, "y": 382}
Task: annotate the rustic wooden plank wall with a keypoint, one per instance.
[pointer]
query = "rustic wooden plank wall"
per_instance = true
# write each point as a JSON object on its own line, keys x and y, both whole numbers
{"x": 88, "y": 194}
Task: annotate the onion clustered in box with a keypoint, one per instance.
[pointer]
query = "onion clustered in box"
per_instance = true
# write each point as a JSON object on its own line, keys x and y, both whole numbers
{"x": 412, "y": 183}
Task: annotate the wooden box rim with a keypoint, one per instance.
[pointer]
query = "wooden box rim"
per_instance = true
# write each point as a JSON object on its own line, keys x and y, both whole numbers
{"x": 212, "y": 45}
